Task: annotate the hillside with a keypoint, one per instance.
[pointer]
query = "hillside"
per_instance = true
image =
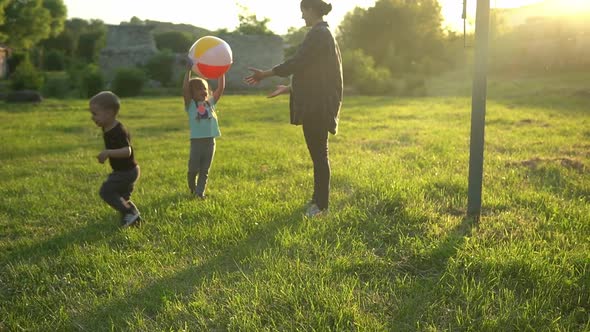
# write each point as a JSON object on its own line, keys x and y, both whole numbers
{"x": 159, "y": 27}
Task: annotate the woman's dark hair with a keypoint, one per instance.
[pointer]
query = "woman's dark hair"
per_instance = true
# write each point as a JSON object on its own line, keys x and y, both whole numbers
{"x": 319, "y": 6}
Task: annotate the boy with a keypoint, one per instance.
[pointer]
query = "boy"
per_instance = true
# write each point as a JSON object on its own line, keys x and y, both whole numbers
{"x": 117, "y": 189}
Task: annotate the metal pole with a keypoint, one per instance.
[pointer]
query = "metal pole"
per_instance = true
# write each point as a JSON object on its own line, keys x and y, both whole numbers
{"x": 478, "y": 108}
{"x": 464, "y": 17}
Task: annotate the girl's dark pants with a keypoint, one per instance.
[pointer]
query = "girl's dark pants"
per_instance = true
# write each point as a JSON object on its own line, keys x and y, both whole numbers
{"x": 200, "y": 159}
{"x": 316, "y": 138}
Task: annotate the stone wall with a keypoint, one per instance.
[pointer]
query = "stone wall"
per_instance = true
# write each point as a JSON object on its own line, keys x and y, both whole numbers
{"x": 134, "y": 45}
{"x": 261, "y": 52}
{"x": 126, "y": 46}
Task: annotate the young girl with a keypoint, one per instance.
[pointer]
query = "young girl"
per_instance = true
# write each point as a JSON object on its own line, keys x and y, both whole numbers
{"x": 200, "y": 107}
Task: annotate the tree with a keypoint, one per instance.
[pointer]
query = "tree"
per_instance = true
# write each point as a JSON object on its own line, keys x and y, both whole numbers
{"x": 77, "y": 25}
{"x": 250, "y": 25}
{"x": 79, "y": 38}
{"x": 66, "y": 42}
{"x": 175, "y": 41}
{"x": 134, "y": 21}
{"x": 293, "y": 39}
{"x": 89, "y": 45}
{"x": 59, "y": 13}
{"x": 403, "y": 36}
{"x": 3, "y": 4}
{"x": 26, "y": 22}
{"x": 54, "y": 60}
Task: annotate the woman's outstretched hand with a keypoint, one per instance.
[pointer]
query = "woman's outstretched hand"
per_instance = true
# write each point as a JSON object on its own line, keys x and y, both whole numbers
{"x": 254, "y": 78}
{"x": 280, "y": 89}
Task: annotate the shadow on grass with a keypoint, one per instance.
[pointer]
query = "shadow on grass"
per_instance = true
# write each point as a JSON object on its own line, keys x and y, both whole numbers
{"x": 32, "y": 253}
{"x": 569, "y": 104}
{"x": 151, "y": 299}
{"x": 437, "y": 260}
{"x": 425, "y": 296}
{"x": 412, "y": 261}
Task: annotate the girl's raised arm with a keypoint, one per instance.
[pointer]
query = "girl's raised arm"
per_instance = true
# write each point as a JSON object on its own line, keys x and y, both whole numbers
{"x": 186, "y": 93}
{"x": 220, "y": 88}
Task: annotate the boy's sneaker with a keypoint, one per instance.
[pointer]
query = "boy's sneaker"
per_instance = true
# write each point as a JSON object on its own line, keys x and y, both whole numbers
{"x": 200, "y": 196}
{"x": 314, "y": 211}
{"x": 130, "y": 218}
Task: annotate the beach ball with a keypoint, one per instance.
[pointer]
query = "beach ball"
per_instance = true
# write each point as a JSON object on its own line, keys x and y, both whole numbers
{"x": 211, "y": 57}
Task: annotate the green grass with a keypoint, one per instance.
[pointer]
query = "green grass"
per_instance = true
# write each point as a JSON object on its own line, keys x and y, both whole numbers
{"x": 395, "y": 253}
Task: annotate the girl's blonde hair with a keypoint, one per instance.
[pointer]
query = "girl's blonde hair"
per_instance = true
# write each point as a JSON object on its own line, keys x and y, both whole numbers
{"x": 197, "y": 82}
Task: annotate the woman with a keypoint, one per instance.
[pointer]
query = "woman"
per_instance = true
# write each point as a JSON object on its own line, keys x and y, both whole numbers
{"x": 315, "y": 94}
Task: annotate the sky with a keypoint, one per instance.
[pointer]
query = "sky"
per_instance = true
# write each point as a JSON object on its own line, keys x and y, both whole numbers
{"x": 215, "y": 14}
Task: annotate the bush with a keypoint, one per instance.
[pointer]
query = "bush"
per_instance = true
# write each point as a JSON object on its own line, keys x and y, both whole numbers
{"x": 175, "y": 41}
{"x": 128, "y": 82}
{"x": 361, "y": 73}
{"x": 14, "y": 60}
{"x": 161, "y": 67}
{"x": 57, "y": 85}
{"x": 75, "y": 70}
{"x": 91, "y": 81}
{"x": 26, "y": 76}
{"x": 54, "y": 60}
{"x": 415, "y": 86}
{"x": 23, "y": 96}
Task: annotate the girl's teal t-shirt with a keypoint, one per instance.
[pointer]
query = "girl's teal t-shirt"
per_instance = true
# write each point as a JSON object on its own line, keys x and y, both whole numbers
{"x": 203, "y": 119}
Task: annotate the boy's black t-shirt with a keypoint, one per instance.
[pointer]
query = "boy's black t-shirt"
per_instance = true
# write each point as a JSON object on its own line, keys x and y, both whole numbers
{"x": 117, "y": 138}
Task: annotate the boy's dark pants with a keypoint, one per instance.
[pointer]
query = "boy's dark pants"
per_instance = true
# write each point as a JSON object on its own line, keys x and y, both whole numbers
{"x": 117, "y": 189}
{"x": 316, "y": 138}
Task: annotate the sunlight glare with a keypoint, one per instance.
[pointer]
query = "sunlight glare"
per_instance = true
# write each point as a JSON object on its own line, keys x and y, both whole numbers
{"x": 566, "y": 7}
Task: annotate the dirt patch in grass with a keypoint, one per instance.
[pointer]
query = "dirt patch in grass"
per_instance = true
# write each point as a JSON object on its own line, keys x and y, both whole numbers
{"x": 585, "y": 93}
{"x": 572, "y": 163}
{"x": 379, "y": 127}
{"x": 526, "y": 122}
{"x": 534, "y": 163}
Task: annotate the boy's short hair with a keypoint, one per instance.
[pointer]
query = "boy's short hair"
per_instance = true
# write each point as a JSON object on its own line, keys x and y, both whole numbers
{"x": 106, "y": 100}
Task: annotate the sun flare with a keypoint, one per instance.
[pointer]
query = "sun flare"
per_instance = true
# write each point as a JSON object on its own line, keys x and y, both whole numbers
{"x": 566, "y": 7}
{"x": 547, "y": 6}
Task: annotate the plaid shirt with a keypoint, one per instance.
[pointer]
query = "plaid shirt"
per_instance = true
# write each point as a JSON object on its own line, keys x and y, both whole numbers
{"x": 316, "y": 85}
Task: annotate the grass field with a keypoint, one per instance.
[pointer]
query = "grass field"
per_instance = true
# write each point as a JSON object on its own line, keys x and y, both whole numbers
{"x": 395, "y": 253}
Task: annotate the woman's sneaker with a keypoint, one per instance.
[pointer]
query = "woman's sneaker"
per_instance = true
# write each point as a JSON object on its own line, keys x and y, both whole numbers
{"x": 314, "y": 211}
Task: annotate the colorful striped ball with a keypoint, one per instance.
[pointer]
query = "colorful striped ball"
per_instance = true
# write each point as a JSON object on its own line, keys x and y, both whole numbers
{"x": 211, "y": 57}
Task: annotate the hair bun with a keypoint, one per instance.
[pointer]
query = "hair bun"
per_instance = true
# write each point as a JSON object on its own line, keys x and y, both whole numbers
{"x": 320, "y": 6}
{"x": 328, "y": 8}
